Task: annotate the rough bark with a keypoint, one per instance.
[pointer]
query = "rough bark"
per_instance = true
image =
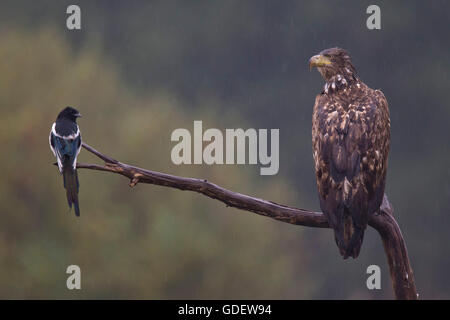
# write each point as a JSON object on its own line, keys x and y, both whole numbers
{"x": 394, "y": 245}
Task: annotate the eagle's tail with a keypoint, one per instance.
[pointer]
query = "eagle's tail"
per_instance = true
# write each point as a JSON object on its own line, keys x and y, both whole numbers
{"x": 354, "y": 245}
{"x": 71, "y": 185}
{"x": 349, "y": 236}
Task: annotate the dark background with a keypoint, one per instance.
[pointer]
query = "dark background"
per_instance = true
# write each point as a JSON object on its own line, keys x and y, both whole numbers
{"x": 140, "y": 69}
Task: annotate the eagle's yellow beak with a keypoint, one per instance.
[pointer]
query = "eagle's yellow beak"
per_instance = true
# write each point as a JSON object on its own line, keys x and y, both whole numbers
{"x": 318, "y": 61}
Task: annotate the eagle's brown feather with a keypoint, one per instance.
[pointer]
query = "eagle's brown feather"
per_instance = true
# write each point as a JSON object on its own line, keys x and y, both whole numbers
{"x": 350, "y": 135}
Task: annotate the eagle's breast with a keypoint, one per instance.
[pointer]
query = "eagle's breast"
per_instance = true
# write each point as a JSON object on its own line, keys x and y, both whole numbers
{"x": 350, "y": 147}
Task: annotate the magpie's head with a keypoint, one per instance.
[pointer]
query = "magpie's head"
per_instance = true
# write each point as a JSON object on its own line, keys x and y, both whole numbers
{"x": 69, "y": 113}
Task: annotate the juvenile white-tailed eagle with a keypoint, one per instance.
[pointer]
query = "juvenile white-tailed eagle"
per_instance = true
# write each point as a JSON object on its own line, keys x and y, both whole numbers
{"x": 350, "y": 136}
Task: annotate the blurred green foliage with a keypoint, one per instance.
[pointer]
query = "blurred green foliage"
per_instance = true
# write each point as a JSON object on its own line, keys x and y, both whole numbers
{"x": 140, "y": 69}
{"x": 148, "y": 242}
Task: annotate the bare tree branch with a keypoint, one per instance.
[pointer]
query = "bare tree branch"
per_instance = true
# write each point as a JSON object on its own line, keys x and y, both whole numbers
{"x": 384, "y": 222}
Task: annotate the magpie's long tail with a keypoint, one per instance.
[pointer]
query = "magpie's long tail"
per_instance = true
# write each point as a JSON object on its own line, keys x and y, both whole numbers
{"x": 71, "y": 185}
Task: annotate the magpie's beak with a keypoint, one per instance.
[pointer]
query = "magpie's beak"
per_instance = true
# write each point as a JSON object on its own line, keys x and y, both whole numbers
{"x": 78, "y": 115}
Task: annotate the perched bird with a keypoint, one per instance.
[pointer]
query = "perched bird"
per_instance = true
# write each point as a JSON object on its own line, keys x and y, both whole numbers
{"x": 350, "y": 138}
{"x": 65, "y": 142}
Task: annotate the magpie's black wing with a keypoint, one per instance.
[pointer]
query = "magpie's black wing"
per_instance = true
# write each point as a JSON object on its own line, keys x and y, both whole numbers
{"x": 66, "y": 150}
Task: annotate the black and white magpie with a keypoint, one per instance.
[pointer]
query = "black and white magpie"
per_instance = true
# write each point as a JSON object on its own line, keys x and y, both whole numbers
{"x": 65, "y": 142}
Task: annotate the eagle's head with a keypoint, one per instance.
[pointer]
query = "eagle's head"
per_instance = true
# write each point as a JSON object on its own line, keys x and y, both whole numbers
{"x": 335, "y": 67}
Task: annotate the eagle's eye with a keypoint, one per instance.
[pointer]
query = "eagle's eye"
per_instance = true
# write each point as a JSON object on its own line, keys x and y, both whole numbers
{"x": 329, "y": 57}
